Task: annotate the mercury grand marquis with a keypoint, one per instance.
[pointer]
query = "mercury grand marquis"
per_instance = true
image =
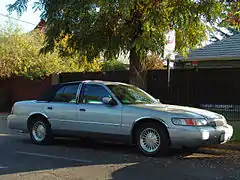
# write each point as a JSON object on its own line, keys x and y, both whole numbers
{"x": 119, "y": 112}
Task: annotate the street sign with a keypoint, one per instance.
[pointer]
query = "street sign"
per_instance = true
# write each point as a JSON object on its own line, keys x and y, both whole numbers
{"x": 169, "y": 48}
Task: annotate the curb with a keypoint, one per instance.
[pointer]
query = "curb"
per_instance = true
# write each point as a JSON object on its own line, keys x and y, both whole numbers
{"x": 229, "y": 146}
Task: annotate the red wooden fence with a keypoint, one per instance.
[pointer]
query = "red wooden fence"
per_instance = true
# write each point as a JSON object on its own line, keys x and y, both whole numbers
{"x": 19, "y": 88}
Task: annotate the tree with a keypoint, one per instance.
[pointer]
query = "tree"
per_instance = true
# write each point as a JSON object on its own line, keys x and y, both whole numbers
{"x": 19, "y": 55}
{"x": 231, "y": 15}
{"x": 152, "y": 62}
{"x": 115, "y": 26}
{"x": 113, "y": 65}
{"x": 229, "y": 21}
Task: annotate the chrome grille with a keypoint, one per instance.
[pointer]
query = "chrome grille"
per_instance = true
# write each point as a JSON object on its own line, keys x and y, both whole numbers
{"x": 216, "y": 123}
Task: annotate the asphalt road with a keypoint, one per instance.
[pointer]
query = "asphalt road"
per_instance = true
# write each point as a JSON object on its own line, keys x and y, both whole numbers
{"x": 77, "y": 160}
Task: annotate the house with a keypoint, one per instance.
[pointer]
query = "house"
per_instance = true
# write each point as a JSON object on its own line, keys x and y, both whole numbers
{"x": 221, "y": 54}
{"x": 41, "y": 26}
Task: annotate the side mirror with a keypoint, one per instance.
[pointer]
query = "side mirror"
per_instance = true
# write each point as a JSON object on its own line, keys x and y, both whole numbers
{"x": 108, "y": 101}
{"x": 158, "y": 101}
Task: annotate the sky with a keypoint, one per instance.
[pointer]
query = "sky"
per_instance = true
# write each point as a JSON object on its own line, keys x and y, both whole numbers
{"x": 29, "y": 16}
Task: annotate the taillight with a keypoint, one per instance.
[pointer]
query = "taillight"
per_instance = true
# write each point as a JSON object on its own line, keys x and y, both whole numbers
{"x": 12, "y": 110}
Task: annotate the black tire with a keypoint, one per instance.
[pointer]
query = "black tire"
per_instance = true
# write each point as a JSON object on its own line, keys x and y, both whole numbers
{"x": 164, "y": 139}
{"x": 48, "y": 137}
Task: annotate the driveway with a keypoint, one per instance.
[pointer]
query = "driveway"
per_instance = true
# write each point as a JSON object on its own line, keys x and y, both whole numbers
{"x": 74, "y": 159}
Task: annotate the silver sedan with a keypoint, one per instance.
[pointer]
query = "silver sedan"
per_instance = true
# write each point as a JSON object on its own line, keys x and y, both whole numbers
{"x": 118, "y": 112}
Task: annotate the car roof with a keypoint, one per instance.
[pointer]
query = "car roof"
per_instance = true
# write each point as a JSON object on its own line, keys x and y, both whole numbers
{"x": 96, "y": 82}
{"x": 47, "y": 95}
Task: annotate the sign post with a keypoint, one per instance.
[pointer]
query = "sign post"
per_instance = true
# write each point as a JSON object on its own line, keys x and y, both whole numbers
{"x": 169, "y": 51}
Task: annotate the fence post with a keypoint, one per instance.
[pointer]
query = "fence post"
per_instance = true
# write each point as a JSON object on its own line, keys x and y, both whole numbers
{"x": 54, "y": 79}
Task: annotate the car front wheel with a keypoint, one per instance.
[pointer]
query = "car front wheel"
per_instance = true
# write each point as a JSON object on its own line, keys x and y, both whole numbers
{"x": 152, "y": 139}
{"x": 40, "y": 132}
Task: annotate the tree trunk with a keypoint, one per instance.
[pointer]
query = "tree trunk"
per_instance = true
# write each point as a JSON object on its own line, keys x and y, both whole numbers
{"x": 137, "y": 75}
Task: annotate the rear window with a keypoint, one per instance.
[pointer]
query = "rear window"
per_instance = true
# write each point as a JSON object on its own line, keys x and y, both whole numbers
{"x": 66, "y": 93}
{"x": 48, "y": 94}
{"x": 55, "y": 91}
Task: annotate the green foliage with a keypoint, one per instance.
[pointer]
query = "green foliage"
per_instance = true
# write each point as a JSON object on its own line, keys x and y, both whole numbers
{"x": 111, "y": 26}
{"x": 19, "y": 55}
{"x": 113, "y": 65}
{"x": 231, "y": 15}
{"x": 229, "y": 21}
{"x": 152, "y": 62}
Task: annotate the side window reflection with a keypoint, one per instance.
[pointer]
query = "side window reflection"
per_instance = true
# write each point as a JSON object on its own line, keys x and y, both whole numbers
{"x": 93, "y": 94}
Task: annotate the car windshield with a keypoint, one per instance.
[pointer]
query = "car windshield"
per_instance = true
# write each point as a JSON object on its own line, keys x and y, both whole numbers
{"x": 131, "y": 95}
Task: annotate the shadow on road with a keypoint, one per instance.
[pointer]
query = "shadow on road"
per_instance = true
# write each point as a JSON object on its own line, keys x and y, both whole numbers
{"x": 76, "y": 143}
{"x": 174, "y": 165}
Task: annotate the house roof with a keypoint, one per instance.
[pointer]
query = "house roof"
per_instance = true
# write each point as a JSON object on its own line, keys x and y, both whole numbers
{"x": 228, "y": 48}
{"x": 41, "y": 26}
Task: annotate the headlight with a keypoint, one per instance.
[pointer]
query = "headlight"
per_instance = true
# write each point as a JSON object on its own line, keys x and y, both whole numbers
{"x": 224, "y": 120}
{"x": 189, "y": 121}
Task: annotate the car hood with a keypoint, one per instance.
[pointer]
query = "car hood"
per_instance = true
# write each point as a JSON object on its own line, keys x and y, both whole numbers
{"x": 181, "y": 110}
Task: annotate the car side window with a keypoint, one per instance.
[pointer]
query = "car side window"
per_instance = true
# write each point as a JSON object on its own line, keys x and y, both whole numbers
{"x": 66, "y": 93}
{"x": 93, "y": 94}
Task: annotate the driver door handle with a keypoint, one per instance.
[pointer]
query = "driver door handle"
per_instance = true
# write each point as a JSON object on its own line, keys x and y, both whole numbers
{"x": 82, "y": 110}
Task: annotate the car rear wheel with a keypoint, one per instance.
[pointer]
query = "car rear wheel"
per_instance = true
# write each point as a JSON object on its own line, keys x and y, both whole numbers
{"x": 40, "y": 132}
{"x": 152, "y": 139}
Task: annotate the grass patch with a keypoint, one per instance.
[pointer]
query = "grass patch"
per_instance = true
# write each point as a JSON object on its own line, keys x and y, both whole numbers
{"x": 236, "y": 130}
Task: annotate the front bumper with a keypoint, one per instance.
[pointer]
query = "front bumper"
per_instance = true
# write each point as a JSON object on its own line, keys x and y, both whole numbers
{"x": 200, "y": 136}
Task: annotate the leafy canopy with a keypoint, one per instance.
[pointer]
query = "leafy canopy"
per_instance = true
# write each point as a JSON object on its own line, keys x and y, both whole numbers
{"x": 114, "y": 26}
{"x": 231, "y": 15}
{"x": 19, "y": 55}
{"x": 229, "y": 22}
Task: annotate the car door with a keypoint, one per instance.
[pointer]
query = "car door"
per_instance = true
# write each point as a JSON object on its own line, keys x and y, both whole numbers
{"x": 62, "y": 108}
{"x": 93, "y": 115}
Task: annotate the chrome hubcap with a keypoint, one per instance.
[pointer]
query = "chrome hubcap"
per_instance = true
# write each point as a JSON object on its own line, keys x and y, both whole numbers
{"x": 39, "y": 131}
{"x": 150, "y": 140}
